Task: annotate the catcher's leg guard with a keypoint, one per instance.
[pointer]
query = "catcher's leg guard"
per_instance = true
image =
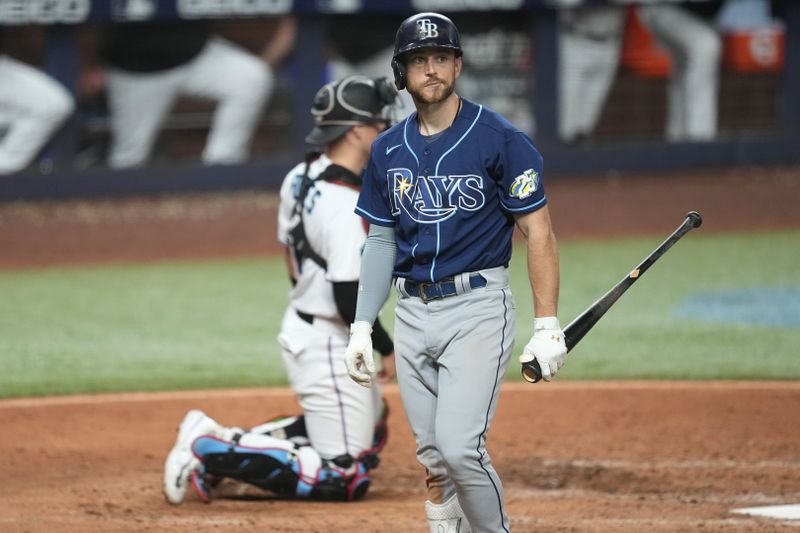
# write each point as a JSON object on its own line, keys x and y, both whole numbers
{"x": 446, "y": 517}
{"x": 279, "y": 466}
{"x": 272, "y": 464}
{"x": 202, "y": 484}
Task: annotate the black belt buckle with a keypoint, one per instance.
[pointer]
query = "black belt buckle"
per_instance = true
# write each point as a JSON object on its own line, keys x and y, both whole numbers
{"x": 435, "y": 290}
{"x": 423, "y": 295}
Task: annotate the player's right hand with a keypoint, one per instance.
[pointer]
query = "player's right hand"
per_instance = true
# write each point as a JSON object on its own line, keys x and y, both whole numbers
{"x": 359, "y": 358}
{"x": 546, "y": 346}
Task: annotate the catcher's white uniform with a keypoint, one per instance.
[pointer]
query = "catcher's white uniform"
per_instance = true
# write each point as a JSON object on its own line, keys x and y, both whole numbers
{"x": 327, "y": 453}
{"x": 340, "y": 414}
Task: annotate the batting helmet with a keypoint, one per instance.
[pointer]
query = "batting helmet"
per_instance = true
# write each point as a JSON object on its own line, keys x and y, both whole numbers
{"x": 342, "y": 104}
{"x": 423, "y": 30}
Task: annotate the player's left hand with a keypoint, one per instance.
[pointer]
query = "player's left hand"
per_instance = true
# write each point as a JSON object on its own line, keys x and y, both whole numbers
{"x": 546, "y": 346}
{"x": 359, "y": 358}
{"x": 388, "y": 370}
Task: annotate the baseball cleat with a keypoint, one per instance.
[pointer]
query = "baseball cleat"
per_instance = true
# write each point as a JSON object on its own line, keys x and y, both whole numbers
{"x": 181, "y": 462}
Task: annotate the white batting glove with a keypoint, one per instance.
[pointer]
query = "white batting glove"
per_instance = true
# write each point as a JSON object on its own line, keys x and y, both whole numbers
{"x": 546, "y": 346}
{"x": 359, "y": 357}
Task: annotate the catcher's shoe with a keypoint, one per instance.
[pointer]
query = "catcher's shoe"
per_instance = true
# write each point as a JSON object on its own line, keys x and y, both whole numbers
{"x": 181, "y": 462}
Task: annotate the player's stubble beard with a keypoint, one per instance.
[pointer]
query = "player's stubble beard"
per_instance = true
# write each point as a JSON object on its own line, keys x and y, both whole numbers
{"x": 442, "y": 91}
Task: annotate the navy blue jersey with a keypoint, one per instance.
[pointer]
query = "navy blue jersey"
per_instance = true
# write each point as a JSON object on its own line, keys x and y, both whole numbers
{"x": 452, "y": 201}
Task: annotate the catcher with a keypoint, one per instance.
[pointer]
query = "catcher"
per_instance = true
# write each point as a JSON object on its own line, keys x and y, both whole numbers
{"x": 327, "y": 452}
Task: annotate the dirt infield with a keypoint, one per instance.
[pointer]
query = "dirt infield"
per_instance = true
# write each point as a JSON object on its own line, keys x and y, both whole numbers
{"x": 657, "y": 457}
{"x": 574, "y": 457}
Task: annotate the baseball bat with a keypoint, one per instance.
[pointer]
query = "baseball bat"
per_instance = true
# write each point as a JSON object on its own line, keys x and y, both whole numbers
{"x": 575, "y": 330}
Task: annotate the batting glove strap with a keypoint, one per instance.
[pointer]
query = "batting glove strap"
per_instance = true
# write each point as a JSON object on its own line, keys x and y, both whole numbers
{"x": 546, "y": 322}
{"x": 360, "y": 327}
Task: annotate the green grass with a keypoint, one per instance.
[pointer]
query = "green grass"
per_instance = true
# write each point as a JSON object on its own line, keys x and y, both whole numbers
{"x": 640, "y": 338}
{"x": 141, "y": 327}
{"x": 214, "y": 324}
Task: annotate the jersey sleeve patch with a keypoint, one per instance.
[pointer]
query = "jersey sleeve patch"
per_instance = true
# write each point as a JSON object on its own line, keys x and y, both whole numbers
{"x": 524, "y": 185}
{"x": 523, "y": 188}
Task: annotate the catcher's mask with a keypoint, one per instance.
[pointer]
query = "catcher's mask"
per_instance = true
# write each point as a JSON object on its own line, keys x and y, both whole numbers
{"x": 342, "y": 104}
{"x": 423, "y": 30}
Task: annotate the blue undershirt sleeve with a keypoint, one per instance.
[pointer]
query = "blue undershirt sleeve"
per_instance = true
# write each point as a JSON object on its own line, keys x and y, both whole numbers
{"x": 377, "y": 265}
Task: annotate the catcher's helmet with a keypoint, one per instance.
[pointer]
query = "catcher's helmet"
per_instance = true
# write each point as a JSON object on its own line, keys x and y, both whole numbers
{"x": 423, "y": 30}
{"x": 342, "y": 104}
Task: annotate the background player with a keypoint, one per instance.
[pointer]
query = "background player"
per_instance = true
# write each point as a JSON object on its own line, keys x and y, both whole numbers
{"x": 32, "y": 107}
{"x": 442, "y": 191}
{"x": 326, "y": 453}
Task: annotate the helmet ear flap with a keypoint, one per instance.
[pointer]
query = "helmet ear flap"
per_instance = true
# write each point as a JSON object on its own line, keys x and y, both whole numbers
{"x": 386, "y": 92}
{"x": 399, "y": 70}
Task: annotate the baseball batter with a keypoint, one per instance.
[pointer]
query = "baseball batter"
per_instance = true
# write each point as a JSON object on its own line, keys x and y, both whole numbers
{"x": 328, "y": 451}
{"x": 442, "y": 192}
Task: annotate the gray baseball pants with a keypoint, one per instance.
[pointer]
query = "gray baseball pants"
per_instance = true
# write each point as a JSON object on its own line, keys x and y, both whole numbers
{"x": 452, "y": 354}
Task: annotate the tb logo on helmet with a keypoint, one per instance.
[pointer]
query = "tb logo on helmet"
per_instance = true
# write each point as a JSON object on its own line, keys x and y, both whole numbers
{"x": 427, "y": 29}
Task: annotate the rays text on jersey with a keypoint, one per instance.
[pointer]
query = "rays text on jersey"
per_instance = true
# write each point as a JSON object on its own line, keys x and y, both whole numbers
{"x": 432, "y": 199}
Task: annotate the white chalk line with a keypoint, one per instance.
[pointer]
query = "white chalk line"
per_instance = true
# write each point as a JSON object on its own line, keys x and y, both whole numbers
{"x": 282, "y": 391}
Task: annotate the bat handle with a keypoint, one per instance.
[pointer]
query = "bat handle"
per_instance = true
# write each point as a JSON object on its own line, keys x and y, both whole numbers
{"x": 531, "y": 371}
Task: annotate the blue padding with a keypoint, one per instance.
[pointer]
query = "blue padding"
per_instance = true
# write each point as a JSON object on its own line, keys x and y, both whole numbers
{"x": 205, "y": 445}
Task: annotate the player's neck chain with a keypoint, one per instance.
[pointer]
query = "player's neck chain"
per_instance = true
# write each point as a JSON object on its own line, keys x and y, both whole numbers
{"x": 458, "y": 111}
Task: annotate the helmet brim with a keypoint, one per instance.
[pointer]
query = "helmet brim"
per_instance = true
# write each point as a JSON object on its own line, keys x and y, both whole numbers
{"x": 322, "y": 135}
{"x": 420, "y": 45}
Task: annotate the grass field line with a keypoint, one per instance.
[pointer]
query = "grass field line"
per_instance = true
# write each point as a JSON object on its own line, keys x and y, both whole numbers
{"x": 273, "y": 392}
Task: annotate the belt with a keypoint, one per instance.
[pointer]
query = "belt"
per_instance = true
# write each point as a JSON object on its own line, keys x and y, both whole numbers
{"x": 427, "y": 291}
{"x": 305, "y": 316}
